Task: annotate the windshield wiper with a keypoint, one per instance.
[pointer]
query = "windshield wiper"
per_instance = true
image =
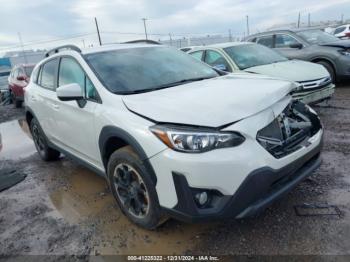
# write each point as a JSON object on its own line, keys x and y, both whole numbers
{"x": 183, "y": 81}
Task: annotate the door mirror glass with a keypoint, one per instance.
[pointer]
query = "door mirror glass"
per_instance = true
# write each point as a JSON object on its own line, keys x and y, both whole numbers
{"x": 70, "y": 92}
{"x": 296, "y": 45}
{"x": 220, "y": 67}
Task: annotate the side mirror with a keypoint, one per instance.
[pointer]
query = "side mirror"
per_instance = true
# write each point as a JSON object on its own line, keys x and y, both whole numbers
{"x": 220, "y": 67}
{"x": 21, "y": 78}
{"x": 69, "y": 92}
{"x": 296, "y": 45}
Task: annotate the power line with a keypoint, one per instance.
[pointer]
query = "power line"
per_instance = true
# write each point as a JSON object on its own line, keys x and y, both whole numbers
{"x": 38, "y": 42}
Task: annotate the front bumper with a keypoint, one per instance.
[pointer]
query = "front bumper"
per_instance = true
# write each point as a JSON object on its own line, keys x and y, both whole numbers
{"x": 314, "y": 95}
{"x": 260, "y": 188}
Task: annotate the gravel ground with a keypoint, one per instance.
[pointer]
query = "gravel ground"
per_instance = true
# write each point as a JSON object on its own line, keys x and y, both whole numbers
{"x": 62, "y": 208}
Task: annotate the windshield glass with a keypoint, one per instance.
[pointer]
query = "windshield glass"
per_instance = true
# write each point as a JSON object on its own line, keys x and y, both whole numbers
{"x": 127, "y": 71}
{"x": 317, "y": 37}
{"x": 250, "y": 55}
{"x": 28, "y": 70}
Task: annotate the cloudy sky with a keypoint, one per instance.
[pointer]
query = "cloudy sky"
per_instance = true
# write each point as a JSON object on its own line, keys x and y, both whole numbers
{"x": 42, "y": 23}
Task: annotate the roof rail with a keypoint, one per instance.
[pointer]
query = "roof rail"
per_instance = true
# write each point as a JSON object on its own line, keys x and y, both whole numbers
{"x": 63, "y": 47}
{"x": 142, "y": 41}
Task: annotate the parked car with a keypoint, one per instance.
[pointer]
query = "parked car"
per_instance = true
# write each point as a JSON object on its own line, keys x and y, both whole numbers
{"x": 171, "y": 136}
{"x": 311, "y": 45}
{"x": 342, "y": 32}
{"x": 18, "y": 80}
{"x": 314, "y": 80}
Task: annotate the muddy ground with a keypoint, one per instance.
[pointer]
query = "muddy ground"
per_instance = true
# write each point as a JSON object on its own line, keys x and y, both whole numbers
{"x": 63, "y": 208}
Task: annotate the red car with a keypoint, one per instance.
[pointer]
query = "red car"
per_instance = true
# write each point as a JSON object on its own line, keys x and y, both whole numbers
{"x": 18, "y": 80}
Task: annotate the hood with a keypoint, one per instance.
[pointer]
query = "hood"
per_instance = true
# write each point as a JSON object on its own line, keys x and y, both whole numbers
{"x": 340, "y": 43}
{"x": 212, "y": 102}
{"x": 292, "y": 70}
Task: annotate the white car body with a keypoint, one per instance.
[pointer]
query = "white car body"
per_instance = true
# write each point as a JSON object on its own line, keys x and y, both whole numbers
{"x": 342, "y": 32}
{"x": 242, "y": 103}
{"x": 313, "y": 78}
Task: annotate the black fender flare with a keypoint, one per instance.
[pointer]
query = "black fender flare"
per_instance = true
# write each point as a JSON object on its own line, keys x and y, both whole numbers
{"x": 108, "y": 132}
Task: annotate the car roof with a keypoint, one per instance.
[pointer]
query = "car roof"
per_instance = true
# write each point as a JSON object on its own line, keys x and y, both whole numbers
{"x": 289, "y": 30}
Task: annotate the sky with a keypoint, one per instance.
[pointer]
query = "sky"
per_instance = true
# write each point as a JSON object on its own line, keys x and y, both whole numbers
{"x": 44, "y": 23}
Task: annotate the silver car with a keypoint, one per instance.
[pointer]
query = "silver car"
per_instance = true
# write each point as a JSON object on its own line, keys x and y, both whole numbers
{"x": 311, "y": 45}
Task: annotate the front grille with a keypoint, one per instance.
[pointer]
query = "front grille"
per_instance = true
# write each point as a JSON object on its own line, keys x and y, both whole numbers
{"x": 314, "y": 84}
{"x": 289, "y": 131}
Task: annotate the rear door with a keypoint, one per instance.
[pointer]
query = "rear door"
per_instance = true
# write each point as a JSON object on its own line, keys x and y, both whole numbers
{"x": 75, "y": 125}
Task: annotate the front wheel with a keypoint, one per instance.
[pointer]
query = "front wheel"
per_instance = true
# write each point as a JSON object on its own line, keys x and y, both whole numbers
{"x": 46, "y": 153}
{"x": 330, "y": 69}
{"x": 133, "y": 188}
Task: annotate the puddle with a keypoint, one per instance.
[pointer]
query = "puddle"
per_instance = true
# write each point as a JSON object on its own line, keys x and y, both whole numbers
{"x": 87, "y": 201}
{"x": 15, "y": 140}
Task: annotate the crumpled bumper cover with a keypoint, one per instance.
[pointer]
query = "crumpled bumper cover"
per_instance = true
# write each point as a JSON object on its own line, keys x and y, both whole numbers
{"x": 261, "y": 188}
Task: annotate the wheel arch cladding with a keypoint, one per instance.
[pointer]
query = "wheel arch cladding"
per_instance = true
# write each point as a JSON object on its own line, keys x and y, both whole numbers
{"x": 113, "y": 138}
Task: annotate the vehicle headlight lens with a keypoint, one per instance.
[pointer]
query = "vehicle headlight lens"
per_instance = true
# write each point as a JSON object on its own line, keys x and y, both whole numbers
{"x": 193, "y": 140}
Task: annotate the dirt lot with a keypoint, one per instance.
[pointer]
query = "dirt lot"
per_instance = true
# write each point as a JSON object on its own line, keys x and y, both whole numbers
{"x": 63, "y": 208}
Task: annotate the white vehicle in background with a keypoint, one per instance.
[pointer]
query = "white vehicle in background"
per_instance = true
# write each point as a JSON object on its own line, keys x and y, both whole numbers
{"x": 314, "y": 81}
{"x": 170, "y": 134}
{"x": 342, "y": 32}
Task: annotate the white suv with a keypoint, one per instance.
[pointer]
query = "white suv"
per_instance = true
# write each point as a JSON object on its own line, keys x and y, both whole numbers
{"x": 172, "y": 136}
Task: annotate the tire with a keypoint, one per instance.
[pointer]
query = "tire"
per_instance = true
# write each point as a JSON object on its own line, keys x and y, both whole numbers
{"x": 329, "y": 68}
{"x": 45, "y": 152}
{"x": 128, "y": 175}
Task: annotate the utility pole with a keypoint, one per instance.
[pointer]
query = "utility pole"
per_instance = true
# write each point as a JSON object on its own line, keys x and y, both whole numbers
{"x": 309, "y": 20}
{"x": 247, "y": 25}
{"x": 83, "y": 42}
{"x": 22, "y": 46}
{"x": 171, "y": 40}
{"x": 229, "y": 35}
{"x": 144, "y": 25}
{"x": 98, "y": 32}
{"x": 299, "y": 20}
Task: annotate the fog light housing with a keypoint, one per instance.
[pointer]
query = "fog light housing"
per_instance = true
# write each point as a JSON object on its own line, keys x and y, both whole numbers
{"x": 201, "y": 198}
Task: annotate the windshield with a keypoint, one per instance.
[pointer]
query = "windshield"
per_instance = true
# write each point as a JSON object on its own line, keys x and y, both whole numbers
{"x": 317, "y": 37}
{"x": 250, "y": 55}
{"x": 28, "y": 70}
{"x": 127, "y": 71}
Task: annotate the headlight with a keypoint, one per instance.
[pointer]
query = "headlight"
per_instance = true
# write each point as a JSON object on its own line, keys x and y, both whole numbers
{"x": 195, "y": 140}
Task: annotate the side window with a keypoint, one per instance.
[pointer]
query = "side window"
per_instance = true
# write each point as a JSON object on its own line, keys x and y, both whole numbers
{"x": 266, "y": 41}
{"x": 48, "y": 74}
{"x": 198, "y": 55}
{"x": 339, "y": 30}
{"x": 70, "y": 72}
{"x": 214, "y": 58}
{"x": 284, "y": 41}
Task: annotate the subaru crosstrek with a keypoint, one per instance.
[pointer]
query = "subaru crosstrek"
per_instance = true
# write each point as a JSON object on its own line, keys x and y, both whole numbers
{"x": 172, "y": 136}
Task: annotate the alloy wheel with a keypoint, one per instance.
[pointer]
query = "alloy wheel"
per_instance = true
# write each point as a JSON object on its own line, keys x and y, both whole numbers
{"x": 131, "y": 190}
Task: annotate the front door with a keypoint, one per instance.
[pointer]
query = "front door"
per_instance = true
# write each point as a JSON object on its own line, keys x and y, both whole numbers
{"x": 75, "y": 125}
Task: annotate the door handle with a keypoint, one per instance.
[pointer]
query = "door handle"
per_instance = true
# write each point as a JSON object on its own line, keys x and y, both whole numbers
{"x": 33, "y": 98}
{"x": 56, "y": 106}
